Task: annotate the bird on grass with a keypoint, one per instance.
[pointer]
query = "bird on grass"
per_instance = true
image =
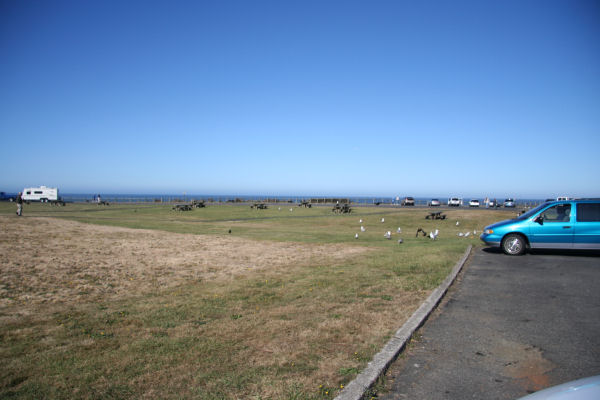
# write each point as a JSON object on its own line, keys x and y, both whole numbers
{"x": 382, "y": 220}
{"x": 434, "y": 235}
{"x": 388, "y": 235}
{"x": 362, "y": 229}
{"x": 356, "y": 236}
{"x": 420, "y": 230}
{"x": 399, "y": 230}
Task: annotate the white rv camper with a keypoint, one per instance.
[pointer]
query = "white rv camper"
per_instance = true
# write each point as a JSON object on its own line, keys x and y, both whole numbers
{"x": 42, "y": 193}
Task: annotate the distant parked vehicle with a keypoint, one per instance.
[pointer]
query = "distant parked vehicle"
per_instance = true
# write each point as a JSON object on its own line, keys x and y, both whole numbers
{"x": 42, "y": 194}
{"x": 509, "y": 203}
{"x": 434, "y": 203}
{"x": 454, "y": 202}
{"x": 7, "y": 196}
{"x": 474, "y": 203}
{"x": 493, "y": 203}
{"x": 408, "y": 201}
{"x": 573, "y": 224}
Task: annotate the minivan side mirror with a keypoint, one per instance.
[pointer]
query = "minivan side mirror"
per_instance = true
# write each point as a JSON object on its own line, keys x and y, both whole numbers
{"x": 539, "y": 219}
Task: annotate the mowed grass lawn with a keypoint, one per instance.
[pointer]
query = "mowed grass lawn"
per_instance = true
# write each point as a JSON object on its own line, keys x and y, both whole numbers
{"x": 289, "y": 305}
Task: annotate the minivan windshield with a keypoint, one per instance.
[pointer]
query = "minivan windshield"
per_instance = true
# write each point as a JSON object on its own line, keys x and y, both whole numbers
{"x": 531, "y": 212}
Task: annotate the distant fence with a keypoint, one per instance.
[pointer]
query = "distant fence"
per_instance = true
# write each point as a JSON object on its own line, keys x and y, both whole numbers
{"x": 383, "y": 201}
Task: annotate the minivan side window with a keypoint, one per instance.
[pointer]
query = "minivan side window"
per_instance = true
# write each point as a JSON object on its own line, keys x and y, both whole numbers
{"x": 557, "y": 213}
{"x": 588, "y": 212}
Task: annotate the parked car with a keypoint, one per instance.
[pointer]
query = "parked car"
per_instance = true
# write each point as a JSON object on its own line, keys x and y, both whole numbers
{"x": 454, "y": 202}
{"x": 581, "y": 389}
{"x": 509, "y": 203}
{"x": 573, "y": 224}
{"x": 493, "y": 203}
{"x": 434, "y": 203}
{"x": 408, "y": 201}
{"x": 7, "y": 196}
{"x": 474, "y": 203}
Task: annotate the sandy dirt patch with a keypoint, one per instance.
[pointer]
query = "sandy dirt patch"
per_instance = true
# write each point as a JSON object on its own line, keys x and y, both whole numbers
{"x": 46, "y": 260}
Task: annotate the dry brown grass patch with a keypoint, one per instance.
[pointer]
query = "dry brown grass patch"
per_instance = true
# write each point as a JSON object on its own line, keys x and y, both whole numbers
{"x": 54, "y": 260}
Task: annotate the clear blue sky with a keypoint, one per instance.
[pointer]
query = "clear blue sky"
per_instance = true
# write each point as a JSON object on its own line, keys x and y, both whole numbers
{"x": 375, "y": 98}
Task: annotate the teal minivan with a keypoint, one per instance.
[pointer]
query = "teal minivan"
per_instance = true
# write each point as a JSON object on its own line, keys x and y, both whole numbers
{"x": 572, "y": 224}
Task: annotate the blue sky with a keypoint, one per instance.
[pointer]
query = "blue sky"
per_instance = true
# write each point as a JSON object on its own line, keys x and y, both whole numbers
{"x": 373, "y": 98}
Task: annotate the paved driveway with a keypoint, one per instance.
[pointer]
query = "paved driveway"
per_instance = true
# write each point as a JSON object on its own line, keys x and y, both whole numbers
{"x": 508, "y": 326}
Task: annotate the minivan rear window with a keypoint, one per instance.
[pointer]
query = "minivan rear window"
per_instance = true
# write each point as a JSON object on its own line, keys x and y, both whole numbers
{"x": 588, "y": 212}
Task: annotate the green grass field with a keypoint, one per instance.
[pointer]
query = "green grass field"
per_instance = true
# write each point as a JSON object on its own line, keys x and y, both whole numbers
{"x": 299, "y": 332}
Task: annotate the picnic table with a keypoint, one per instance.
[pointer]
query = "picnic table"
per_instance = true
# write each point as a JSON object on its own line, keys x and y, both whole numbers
{"x": 305, "y": 204}
{"x": 436, "y": 215}
{"x": 259, "y": 206}
{"x": 182, "y": 207}
{"x": 342, "y": 209}
{"x": 198, "y": 204}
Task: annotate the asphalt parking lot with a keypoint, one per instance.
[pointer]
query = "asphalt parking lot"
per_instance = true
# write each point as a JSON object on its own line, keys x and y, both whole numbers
{"x": 507, "y": 327}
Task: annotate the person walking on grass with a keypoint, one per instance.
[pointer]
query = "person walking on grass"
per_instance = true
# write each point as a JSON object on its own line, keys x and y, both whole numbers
{"x": 19, "y": 204}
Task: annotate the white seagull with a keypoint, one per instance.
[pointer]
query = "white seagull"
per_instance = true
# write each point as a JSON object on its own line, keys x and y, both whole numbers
{"x": 399, "y": 230}
{"x": 356, "y": 236}
{"x": 362, "y": 228}
{"x": 388, "y": 235}
{"x": 382, "y": 220}
{"x": 434, "y": 235}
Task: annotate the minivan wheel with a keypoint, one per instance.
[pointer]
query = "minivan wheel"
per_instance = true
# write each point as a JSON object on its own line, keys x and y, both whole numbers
{"x": 513, "y": 244}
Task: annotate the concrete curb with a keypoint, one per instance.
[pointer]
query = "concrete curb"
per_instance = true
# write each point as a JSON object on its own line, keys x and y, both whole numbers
{"x": 382, "y": 360}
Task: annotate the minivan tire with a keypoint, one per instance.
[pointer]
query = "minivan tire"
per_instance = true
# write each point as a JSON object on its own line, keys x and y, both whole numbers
{"x": 514, "y": 244}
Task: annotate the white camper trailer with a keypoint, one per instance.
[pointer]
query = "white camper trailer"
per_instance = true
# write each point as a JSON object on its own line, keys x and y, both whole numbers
{"x": 43, "y": 194}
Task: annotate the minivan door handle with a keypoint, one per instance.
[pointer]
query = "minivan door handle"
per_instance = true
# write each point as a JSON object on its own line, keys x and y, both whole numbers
{"x": 566, "y": 227}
